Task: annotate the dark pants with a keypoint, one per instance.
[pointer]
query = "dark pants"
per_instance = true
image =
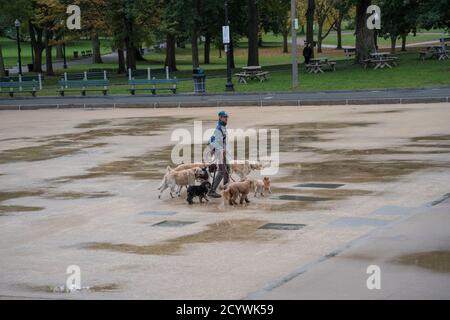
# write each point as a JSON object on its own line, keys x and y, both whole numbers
{"x": 307, "y": 59}
{"x": 222, "y": 173}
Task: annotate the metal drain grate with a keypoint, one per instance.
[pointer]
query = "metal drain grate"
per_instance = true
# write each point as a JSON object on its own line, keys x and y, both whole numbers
{"x": 173, "y": 223}
{"x": 158, "y": 213}
{"x": 300, "y": 198}
{"x": 282, "y": 226}
{"x": 320, "y": 185}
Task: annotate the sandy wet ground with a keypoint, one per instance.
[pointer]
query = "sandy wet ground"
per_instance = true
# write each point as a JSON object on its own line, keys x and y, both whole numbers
{"x": 78, "y": 187}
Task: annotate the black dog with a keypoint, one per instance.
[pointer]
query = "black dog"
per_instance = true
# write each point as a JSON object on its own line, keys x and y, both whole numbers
{"x": 198, "y": 191}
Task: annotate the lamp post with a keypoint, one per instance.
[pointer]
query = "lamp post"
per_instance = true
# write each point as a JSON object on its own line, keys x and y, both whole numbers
{"x": 64, "y": 51}
{"x": 226, "y": 40}
{"x": 17, "y": 24}
{"x": 294, "y": 27}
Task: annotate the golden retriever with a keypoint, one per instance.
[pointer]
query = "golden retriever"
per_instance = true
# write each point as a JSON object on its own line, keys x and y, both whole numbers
{"x": 243, "y": 167}
{"x": 173, "y": 178}
{"x": 185, "y": 166}
{"x": 237, "y": 189}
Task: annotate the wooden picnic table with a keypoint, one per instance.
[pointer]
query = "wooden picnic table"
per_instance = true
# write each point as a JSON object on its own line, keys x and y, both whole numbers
{"x": 381, "y": 60}
{"x": 316, "y": 65}
{"x": 252, "y": 72}
{"x": 439, "y": 52}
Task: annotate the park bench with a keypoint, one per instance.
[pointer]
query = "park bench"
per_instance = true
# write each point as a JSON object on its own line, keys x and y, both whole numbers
{"x": 21, "y": 84}
{"x": 155, "y": 85}
{"x": 317, "y": 66}
{"x": 252, "y": 72}
{"x": 83, "y": 86}
{"x": 85, "y": 81}
{"x": 149, "y": 83}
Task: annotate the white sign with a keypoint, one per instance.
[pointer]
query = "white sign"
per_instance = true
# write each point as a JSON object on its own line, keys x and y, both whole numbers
{"x": 295, "y": 24}
{"x": 226, "y": 34}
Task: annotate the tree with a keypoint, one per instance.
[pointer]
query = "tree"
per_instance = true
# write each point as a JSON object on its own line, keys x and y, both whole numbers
{"x": 434, "y": 14}
{"x": 342, "y": 8}
{"x": 324, "y": 14}
{"x": 275, "y": 18}
{"x": 365, "y": 42}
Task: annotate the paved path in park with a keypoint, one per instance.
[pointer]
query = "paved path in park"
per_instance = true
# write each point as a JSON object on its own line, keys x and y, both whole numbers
{"x": 261, "y": 99}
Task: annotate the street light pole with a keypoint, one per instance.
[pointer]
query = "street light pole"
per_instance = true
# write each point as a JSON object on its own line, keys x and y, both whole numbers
{"x": 229, "y": 86}
{"x": 17, "y": 24}
{"x": 64, "y": 51}
{"x": 294, "y": 23}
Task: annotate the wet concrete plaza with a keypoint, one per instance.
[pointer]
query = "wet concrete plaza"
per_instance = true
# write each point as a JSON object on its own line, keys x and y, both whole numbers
{"x": 357, "y": 186}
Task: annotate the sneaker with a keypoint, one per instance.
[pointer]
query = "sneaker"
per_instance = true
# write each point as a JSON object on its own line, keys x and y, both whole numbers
{"x": 214, "y": 194}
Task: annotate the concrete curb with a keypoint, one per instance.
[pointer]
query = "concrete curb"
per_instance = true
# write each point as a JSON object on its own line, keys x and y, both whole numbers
{"x": 229, "y": 103}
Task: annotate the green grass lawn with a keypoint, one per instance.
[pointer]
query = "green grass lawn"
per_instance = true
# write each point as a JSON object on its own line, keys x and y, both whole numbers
{"x": 411, "y": 73}
{"x": 9, "y": 48}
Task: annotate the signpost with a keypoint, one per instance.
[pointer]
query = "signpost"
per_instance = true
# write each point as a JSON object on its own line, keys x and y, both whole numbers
{"x": 294, "y": 29}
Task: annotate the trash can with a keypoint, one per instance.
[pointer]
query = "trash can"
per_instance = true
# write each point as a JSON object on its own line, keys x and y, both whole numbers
{"x": 6, "y": 73}
{"x": 198, "y": 74}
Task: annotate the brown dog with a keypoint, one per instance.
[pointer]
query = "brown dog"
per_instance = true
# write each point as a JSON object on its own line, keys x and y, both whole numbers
{"x": 186, "y": 166}
{"x": 173, "y": 178}
{"x": 237, "y": 189}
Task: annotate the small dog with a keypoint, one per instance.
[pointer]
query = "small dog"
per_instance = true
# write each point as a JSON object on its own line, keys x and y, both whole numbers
{"x": 186, "y": 166}
{"x": 198, "y": 191}
{"x": 237, "y": 189}
{"x": 262, "y": 186}
{"x": 174, "y": 178}
{"x": 243, "y": 167}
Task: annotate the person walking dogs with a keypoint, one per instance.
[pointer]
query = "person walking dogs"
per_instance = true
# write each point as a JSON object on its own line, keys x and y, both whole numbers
{"x": 307, "y": 53}
{"x": 218, "y": 146}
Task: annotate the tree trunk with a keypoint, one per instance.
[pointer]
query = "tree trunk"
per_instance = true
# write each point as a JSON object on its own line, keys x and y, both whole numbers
{"x": 253, "y": 31}
{"x": 393, "y": 43}
{"x": 59, "y": 51}
{"x": 121, "y": 61}
{"x": 319, "y": 37}
{"x": 231, "y": 48}
{"x": 171, "y": 61}
{"x": 285, "y": 42}
{"x": 365, "y": 43}
{"x": 36, "y": 36}
{"x": 220, "y": 52}
{"x": 48, "y": 54}
{"x": 310, "y": 23}
{"x": 404, "y": 42}
{"x": 2, "y": 63}
{"x": 96, "y": 55}
{"x": 207, "y": 49}
{"x": 129, "y": 46}
{"x": 194, "y": 47}
{"x": 339, "y": 33}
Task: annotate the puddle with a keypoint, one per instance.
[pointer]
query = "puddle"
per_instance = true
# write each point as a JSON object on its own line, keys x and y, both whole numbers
{"x": 151, "y": 165}
{"x": 437, "y": 137}
{"x": 355, "y": 170}
{"x": 358, "y": 222}
{"x": 283, "y": 226}
{"x": 292, "y": 197}
{"x": 93, "y": 124}
{"x": 77, "y": 195}
{"x": 228, "y": 230}
{"x": 438, "y": 261}
{"x": 9, "y": 195}
{"x": 384, "y": 111}
{"x": 158, "y": 213}
{"x": 319, "y": 185}
{"x": 173, "y": 223}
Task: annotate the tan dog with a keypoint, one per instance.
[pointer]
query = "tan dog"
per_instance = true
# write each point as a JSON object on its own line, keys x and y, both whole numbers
{"x": 178, "y": 178}
{"x": 186, "y": 166}
{"x": 237, "y": 189}
{"x": 262, "y": 186}
{"x": 243, "y": 167}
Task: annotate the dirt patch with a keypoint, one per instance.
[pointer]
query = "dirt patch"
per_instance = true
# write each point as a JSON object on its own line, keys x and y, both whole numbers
{"x": 72, "y": 195}
{"x": 6, "y": 209}
{"x": 438, "y": 261}
{"x": 436, "y": 137}
{"x": 110, "y": 287}
{"x": 229, "y": 230}
{"x": 151, "y": 165}
{"x": 93, "y": 124}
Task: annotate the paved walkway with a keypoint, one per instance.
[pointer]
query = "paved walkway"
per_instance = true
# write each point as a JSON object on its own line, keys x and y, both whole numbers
{"x": 413, "y": 256}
